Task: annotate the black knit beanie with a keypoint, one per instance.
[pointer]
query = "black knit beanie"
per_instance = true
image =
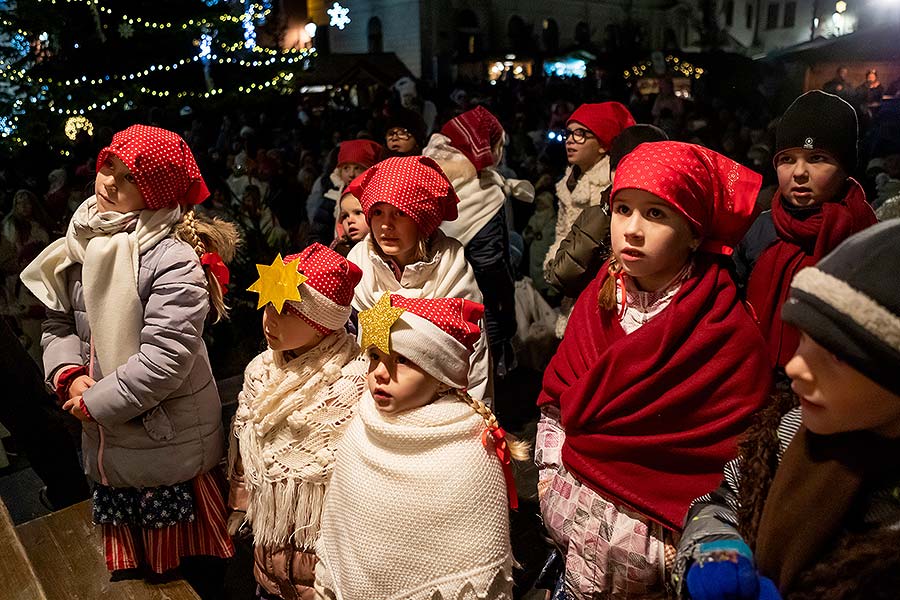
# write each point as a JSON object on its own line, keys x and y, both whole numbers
{"x": 820, "y": 121}
{"x": 850, "y": 303}
{"x": 409, "y": 120}
{"x": 632, "y": 137}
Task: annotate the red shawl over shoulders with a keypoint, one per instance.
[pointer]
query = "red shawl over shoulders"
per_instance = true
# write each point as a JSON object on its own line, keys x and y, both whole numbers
{"x": 651, "y": 418}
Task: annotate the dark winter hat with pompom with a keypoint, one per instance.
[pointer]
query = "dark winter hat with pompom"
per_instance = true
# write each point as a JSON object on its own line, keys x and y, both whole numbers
{"x": 850, "y": 303}
{"x": 820, "y": 121}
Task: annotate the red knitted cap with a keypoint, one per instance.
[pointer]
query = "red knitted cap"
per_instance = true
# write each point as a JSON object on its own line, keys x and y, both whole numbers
{"x": 606, "y": 120}
{"x": 360, "y": 152}
{"x": 162, "y": 164}
{"x": 474, "y": 133}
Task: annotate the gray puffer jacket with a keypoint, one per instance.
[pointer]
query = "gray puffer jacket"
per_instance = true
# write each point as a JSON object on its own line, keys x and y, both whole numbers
{"x": 160, "y": 412}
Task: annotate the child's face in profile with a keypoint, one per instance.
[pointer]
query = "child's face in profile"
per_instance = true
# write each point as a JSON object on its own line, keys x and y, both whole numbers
{"x": 397, "y": 384}
{"x": 286, "y": 331}
{"x": 835, "y": 397}
{"x": 585, "y": 151}
{"x": 650, "y": 239}
{"x": 116, "y": 189}
{"x": 808, "y": 177}
{"x": 395, "y": 232}
{"x": 350, "y": 171}
{"x": 353, "y": 219}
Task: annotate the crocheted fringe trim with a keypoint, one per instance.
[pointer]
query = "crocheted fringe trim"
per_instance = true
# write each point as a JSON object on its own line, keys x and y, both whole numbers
{"x": 286, "y": 511}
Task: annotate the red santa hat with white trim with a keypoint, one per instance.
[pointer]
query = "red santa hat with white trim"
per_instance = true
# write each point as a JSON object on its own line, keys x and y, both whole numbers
{"x": 437, "y": 334}
{"x": 328, "y": 289}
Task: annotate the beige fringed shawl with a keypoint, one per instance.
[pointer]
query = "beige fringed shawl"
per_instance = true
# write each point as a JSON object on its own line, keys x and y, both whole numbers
{"x": 289, "y": 419}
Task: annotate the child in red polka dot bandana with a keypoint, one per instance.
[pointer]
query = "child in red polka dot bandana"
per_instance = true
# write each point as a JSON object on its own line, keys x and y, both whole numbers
{"x": 405, "y": 199}
{"x": 423, "y": 471}
{"x": 128, "y": 290}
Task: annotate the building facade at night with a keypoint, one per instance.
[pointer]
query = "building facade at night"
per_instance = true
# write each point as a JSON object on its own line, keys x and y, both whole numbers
{"x": 432, "y": 36}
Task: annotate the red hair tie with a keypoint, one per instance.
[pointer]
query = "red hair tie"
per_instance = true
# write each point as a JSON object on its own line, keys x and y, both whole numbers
{"x": 501, "y": 447}
{"x": 214, "y": 263}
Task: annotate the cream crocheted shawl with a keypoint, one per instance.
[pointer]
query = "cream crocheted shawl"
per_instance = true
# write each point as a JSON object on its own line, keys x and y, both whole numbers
{"x": 289, "y": 419}
{"x": 416, "y": 509}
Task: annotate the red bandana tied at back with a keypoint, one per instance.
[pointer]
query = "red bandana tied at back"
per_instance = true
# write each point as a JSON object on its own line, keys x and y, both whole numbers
{"x": 715, "y": 194}
{"x": 801, "y": 243}
{"x": 652, "y": 417}
{"x": 475, "y": 133}
{"x": 162, "y": 164}
{"x": 414, "y": 184}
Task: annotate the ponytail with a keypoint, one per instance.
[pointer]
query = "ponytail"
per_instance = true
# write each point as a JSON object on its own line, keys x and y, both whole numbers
{"x": 607, "y": 298}
{"x": 210, "y": 236}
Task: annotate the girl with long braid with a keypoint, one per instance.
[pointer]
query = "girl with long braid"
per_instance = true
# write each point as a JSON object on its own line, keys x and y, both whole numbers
{"x": 418, "y": 502}
{"x": 128, "y": 290}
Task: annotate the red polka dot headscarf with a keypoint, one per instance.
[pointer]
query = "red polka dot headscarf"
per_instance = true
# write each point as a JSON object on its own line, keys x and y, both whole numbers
{"x": 414, "y": 184}
{"x": 162, "y": 164}
{"x": 715, "y": 194}
{"x": 328, "y": 289}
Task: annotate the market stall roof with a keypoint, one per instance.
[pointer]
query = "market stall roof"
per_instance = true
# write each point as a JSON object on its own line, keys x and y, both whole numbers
{"x": 872, "y": 44}
{"x": 340, "y": 69}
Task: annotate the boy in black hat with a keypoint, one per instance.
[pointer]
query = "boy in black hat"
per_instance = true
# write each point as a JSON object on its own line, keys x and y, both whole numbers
{"x": 813, "y": 496}
{"x": 816, "y": 207}
{"x": 405, "y": 133}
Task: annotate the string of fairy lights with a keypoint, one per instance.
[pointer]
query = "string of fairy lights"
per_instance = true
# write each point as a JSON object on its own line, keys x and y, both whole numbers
{"x": 255, "y": 13}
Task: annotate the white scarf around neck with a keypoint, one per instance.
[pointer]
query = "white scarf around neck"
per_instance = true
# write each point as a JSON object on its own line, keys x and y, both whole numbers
{"x": 290, "y": 417}
{"x": 108, "y": 245}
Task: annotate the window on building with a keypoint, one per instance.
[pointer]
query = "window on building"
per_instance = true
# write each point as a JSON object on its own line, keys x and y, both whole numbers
{"x": 728, "y": 9}
{"x": 772, "y": 16}
{"x": 749, "y": 14}
{"x": 517, "y": 33}
{"x": 467, "y": 33}
{"x": 790, "y": 14}
{"x": 376, "y": 40}
{"x": 550, "y": 35}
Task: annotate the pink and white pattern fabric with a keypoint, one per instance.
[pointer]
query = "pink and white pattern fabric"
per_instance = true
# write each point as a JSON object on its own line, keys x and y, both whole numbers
{"x": 475, "y": 133}
{"x": 162, "y": 164}
{"x": 328, "y": 289}
{"x": 716, "y": 194}
{"x": 414, "y": 184}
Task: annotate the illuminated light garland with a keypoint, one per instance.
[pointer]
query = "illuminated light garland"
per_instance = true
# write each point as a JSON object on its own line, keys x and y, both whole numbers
{"x": 673, "y": 62}
{"x": 74, "y": 125}
{"x": 260, "y": 13}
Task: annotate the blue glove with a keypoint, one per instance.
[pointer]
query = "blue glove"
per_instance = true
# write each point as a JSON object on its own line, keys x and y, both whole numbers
{"x": 725, "y": 571}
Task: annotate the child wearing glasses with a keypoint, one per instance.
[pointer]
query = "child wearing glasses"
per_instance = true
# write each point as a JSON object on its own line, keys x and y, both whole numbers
{"x": 405, "y": 133}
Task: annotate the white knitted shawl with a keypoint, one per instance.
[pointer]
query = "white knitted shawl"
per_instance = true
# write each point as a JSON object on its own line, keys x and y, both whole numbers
{"x": 289, "y": 419}
{"x": 416, "y": 509}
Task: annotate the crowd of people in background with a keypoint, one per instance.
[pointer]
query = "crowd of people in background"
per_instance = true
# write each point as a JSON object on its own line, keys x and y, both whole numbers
{"x": 636, "y": 256}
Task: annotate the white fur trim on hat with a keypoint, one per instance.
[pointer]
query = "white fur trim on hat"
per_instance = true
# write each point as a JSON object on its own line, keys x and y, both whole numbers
{"x": 438, "y": 353}
{"x": 320, "y": 309}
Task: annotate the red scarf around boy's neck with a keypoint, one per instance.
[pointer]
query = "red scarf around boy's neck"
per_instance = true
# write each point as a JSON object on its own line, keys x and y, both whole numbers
{"x": 652, "y": 417}
{"x": 802, "y": 242}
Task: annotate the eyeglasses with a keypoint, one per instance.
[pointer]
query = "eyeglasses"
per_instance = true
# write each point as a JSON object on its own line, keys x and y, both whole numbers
{"x": 399, "y": 133}
{"x": 578, "y": 135}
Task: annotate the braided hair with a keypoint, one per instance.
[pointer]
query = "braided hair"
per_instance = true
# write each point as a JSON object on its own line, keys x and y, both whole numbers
{"x": 210, "y": 235}
{"x": 518, "y": 449}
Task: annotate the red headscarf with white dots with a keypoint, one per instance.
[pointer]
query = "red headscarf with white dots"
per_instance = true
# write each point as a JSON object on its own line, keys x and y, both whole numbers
{"x": 162, "y": 164}
{"x": 328, "y": 289}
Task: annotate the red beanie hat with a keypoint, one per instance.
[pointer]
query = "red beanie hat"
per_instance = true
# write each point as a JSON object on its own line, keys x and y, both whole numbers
{"x": 360, "y": 152}
{"x": 328, "y": 289}
{"x": 606, "y": 120}
{"x": 414, "y": 184}
{"x": 162, "y": 164}
{"x": 475, "y": 133}
{"x": 715, "y": 194}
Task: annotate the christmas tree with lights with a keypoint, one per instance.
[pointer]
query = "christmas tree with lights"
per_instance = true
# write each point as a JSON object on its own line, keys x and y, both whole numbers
{"x": 65, "y": 63}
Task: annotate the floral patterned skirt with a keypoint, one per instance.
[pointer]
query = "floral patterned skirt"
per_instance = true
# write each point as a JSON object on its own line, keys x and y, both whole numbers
{"x": 158, "y": 526}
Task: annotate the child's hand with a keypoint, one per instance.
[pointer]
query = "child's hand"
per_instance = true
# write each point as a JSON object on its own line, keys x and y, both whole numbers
{"x": 73, "y": 407}
{"x": 79, "y": 386}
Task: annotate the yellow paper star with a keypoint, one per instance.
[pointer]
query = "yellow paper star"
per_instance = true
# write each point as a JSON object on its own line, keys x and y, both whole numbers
{"x": 376, "y": 323}
{"x": 277, "y": 283}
